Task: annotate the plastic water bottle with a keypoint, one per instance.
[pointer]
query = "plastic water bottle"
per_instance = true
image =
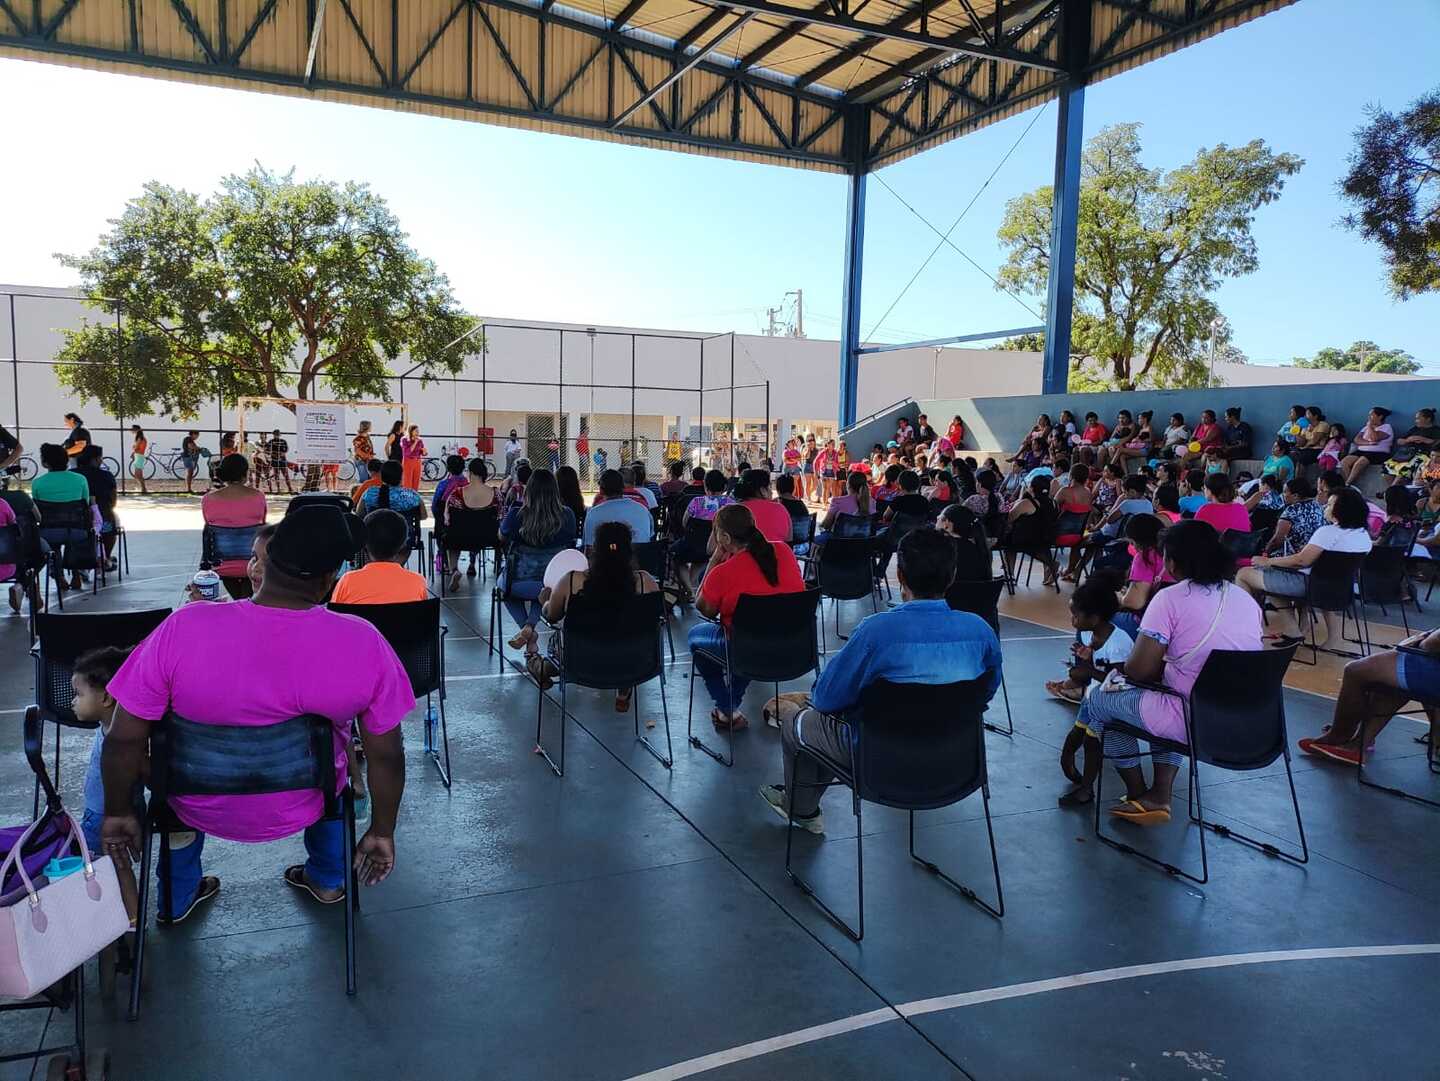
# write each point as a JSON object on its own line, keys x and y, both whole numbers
{"x": 207, "y": 583}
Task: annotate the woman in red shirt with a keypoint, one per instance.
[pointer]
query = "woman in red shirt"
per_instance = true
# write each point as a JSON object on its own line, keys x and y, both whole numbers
{"x": 1207, "y": 433}
{"x": 742, "y": 562}
{"x": 412, "y": 457}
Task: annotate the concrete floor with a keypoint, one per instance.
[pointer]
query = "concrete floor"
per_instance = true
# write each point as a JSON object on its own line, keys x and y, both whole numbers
{"x": 627, "y": 921}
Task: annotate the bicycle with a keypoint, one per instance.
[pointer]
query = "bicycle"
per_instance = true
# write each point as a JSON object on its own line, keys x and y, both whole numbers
{"x": 27, "y": 468}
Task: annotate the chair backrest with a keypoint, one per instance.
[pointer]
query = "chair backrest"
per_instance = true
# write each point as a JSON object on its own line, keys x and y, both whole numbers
{"x": 12, "y": 545}
{"x": 1244, "y": 545}
{"x": 63, "y": 638}
{"x": 413, "y": 631}
{"x": 773, "y": 638}
{"x": 675, "y": 505}
{"x": 1264, "y": 518}
{"x": 1333, "y": 579}
{"x": 1399, "y": 535}
{"x": 919, "y": 745}
{"x": 219, "y": 543}
{"x": 72, "y": 514}
{"x": 1383, "y": 575}
{"x": 850, "y": 526}
{"x": 1237, "y": 707}
{"x": 697, "y": 533}
{"x": 845, "y": 569}
{"x": 650, "y": 557}
{"x": 902, "y": 524}
{"x": 526, "y": 563}
{"x": 1072, "y": 523}
{"x": 802, "y": 530}
{"x": 612, "y": 645}
{"x": 471, "y": 529}
{"x": 192, "y": 759}
{"x": 980, "y": 597}
{"x": 416, "y": 537}
{"x": 319, "y": 499}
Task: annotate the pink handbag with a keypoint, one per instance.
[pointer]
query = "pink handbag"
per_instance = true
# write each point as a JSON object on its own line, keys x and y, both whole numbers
{"x": 56, "y": 927}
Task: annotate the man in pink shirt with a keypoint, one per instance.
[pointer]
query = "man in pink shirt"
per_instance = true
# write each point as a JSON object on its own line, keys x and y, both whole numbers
{"x": 771, "y": 518}
{"x": 309, "y": 660}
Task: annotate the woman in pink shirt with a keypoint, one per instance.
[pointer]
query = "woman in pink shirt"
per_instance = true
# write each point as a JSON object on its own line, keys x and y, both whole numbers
{"x": 412, "y": 457}
{"x": 234, "y": 505}
{"x": 7, "y": 570}
{"x": 1222, "y": 510}
{"x": 1184, "y": 623}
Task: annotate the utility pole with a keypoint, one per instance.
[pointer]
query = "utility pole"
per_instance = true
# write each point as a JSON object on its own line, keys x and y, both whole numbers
{"x": 797, "y": 329}
{"x": 773, "y": 329}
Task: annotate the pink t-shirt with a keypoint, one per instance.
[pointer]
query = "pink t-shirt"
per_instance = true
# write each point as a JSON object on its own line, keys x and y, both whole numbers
{"x": 7, "y": 517}
{"x": 277, "y": 664}
{"x": 411, "y": 449}
{"x": 234, "y": 513}
{"x": 1147, "y": 566}
{"x": 1223, "y": 516}
{"x": 1178, "y": 618}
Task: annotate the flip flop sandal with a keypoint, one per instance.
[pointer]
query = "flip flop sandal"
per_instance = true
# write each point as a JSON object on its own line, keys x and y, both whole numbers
{"x": 734, "y": 724}
{"x": 206, "y": 891}
{"x": 1134, "y": 811}
{"x": 295, "y": 876}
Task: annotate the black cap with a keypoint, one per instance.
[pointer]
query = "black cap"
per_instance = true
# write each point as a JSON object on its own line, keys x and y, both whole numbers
{"x": 311, "y": 542}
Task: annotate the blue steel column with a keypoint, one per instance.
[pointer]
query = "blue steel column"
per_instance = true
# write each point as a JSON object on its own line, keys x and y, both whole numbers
{"x": 1065, "y": 206}
{"x": 856, "y": 125}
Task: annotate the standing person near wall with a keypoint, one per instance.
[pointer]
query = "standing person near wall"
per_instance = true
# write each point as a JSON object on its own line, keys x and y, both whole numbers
{"x": 412, "y": 457}
{"x": 392, "y": 441}
{"x": 79, "y": 437}
{"x": 190, "y": 458}
{"x": 139, "y": 448}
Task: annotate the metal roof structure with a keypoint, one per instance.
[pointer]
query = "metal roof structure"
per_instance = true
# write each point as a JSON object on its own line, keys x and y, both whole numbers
{"x": 840, "y": 85}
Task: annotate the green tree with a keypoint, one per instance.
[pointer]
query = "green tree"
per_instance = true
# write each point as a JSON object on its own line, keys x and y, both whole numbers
{"x": 1362, "y": 356}
{"x": 274, "y": 283}
{"x": 1394, "y": 183}
{"x": 1150, "y": 248}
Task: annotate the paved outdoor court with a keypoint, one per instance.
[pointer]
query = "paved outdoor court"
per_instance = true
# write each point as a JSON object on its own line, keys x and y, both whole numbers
{"x": 630, "y": 922}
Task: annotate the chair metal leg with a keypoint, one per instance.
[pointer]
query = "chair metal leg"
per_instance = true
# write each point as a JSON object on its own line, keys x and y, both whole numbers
{"x": 439, "y": 755}
{"x": 998, "y": 909}
{"x": 668, "y": 759}
{"x": 142, "y": 913}
{"x": 352, "y": 888}
{"x": 853, "y": 933}
{"x": 1121, "y": 846}
{"x": 1264, "y": 846}
{"x": 1009, "y": 729}
{"x": 696, "y": 741}
{"x": 1430, "y": 758}
{"x": 557, "y": 767}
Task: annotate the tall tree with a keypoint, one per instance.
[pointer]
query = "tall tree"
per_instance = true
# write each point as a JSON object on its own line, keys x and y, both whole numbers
{"x": 1362, "y": 356}
{"x": 271, "y": 283}
{"x": 1394, "y": 183}
{"x": 1150, "y": 248}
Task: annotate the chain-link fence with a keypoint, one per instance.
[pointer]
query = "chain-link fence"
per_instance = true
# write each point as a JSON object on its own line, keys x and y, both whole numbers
{"x": 588, "y": 398}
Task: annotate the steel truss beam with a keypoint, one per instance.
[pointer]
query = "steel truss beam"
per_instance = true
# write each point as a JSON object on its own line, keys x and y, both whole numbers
{"x": 792, "y": 121}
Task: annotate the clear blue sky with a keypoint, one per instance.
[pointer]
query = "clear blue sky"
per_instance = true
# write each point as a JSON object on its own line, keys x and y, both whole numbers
{"x": 545, "y": 227}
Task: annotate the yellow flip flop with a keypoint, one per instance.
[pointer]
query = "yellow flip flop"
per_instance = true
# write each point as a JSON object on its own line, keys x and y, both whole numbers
{"x": 1134, "y": 811}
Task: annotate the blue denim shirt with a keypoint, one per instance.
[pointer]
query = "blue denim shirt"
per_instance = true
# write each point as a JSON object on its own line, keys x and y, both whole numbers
{"x": 922, "y": 641}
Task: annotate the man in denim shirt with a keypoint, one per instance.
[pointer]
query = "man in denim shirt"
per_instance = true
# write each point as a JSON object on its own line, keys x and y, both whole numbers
{"x": 920, "y": 641}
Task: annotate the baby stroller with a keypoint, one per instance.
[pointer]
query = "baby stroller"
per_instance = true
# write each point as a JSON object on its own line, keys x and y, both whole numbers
{"x": 50, "y": 839}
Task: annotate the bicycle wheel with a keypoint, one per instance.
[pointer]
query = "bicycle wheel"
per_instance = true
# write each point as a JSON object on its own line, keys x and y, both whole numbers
{"x": 347, "y": 471}
{"x": 175, "y": 466}
{"x": 151, "y": 468}
{"x": 28, "y": 468}
{"x": 433, "y": 469}
{"x": 110, "y": 465}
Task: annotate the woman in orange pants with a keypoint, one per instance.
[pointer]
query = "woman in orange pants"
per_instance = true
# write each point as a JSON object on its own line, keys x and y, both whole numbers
{"x": 412, "y": 457}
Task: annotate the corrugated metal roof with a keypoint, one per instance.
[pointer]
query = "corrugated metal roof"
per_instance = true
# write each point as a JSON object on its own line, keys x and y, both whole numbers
{"x": 780, "y": 86}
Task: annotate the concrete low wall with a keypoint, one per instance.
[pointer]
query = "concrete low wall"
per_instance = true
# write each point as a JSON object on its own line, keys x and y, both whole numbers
{"x": 1000, "y": 423}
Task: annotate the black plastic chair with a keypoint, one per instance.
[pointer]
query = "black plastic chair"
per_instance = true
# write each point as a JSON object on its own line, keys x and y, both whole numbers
{"x": 470, "y": 529}
{"x": 60, "y": 640}
{"x": 512, "y": 556}
{"x": 914, "y": 747}
{"x": 14, "y": 551}
{"x": 320, "y": 499}
{"x": 415, "y": 538}
{"x": 1234, "y": 720}
{"x": 610, "y": 647}
{"x": 191, "y": 759}
{"x": 1432, "y": 753}
{"x": 221, "y": 543}
{"x": 417, "y": 636}
{"x": 1266, "y": 518}
{"x": 771, "y": 640}
{"x": 844, "y": 570}
{"x": 1333, "y": 586}
{"x": 1385, "y": 576}
{"x": 852, "y": 527}
{"x": 982, "y": 598}
{"x": 653, "y": 557}
{"x": 83, "y": 555}
{"x": 1070, "y": 524}
{"x": 1243, "y": 545}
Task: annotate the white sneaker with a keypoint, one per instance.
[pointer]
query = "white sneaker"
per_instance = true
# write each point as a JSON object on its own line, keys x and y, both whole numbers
{"x": 774, "y": 796}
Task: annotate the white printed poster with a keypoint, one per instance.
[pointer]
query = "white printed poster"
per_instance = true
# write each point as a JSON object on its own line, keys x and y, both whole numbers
{"x": 320, "y": 433}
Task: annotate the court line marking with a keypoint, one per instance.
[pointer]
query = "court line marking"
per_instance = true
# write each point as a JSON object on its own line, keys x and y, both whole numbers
{"x": 920, "y": 1007}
